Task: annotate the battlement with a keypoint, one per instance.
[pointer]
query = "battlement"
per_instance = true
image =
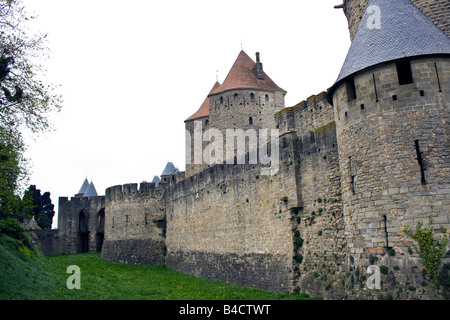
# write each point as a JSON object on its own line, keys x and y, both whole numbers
{"x": 306, "y": 116}
{"x": 129, "y": 190}
{"x": 79, "y": 201}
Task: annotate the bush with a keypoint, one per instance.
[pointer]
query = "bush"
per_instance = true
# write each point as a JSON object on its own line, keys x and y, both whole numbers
{"x": 12, "y": 228}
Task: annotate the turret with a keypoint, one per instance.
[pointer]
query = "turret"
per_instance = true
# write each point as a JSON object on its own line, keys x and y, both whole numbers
{"x": 391, "y": 103}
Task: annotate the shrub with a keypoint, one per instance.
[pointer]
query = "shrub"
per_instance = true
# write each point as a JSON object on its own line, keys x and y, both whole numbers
{"x": 12, "y": 228}
{"x": 430, "y": 250}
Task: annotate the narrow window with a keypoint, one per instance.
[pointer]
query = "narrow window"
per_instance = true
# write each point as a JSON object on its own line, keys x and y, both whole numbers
{"x": 250, "y": 121}
{"x": 221, "y": 100}
{"x": 252, "y": 96}
{"x": 404, "y": 72}
{"x": 267, "y": 98}
{"x": 352, "y": 175}
{"x": 236, "y": 97}
{"x": 375, "y": 87}
{"x": 420, "y": 160}
{"x": 385, "y": 230}
{"x": 206, "y": 122}
{"x": 437, "y": 76}
{"x": 351, "y": 89}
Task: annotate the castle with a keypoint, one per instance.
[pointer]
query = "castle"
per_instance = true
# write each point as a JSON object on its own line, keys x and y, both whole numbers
{"x": 358, "y": 163}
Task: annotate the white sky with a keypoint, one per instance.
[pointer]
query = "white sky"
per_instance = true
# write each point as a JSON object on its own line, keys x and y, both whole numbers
{"x": 132, "y": 71}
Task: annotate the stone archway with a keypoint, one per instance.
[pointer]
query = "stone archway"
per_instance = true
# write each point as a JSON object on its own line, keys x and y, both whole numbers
{"x": 83, "y": 232}
{"x": 100, "y": 230}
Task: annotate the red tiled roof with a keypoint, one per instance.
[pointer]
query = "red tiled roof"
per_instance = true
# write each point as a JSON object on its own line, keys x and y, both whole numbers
{"x": 243, "y": 76}
{"x": 204, "y": 109}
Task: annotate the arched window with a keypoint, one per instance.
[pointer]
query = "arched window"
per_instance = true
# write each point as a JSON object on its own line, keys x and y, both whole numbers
{"x": 206, "y": 122}
{"x": 267, "y": 98}
{"x": 252, "y": 96}
{"x": 221, "y": 100}
{"x": 250, "y": 121}
{"x": 236, "y": 97}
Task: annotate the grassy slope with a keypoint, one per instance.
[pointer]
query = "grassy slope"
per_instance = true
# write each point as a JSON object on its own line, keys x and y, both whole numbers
{"x": 37, "y": 277}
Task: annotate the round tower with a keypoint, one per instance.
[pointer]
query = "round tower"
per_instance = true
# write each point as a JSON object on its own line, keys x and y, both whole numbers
{"x": 391, "y": 103}
{"x": 245, "y": 103}
{"x": 436, "y": 10}
{"x": 247, "y": 99}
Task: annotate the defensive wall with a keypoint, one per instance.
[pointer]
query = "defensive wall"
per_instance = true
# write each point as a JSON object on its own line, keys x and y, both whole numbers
{"x": 80, "y": 227}
{"x": 135, "y": 224}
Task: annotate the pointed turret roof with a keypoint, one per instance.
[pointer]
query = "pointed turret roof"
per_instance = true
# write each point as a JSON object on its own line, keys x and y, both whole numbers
{"x": 243, "y": 76}
{"x": 169, "y": 169}
{"x": 204, "y": 109}
{"x": 91, "y": 192}
{"x": 156, "y": 180}
{"x": 404, "y": 31}
{"x": 84, "y": 186}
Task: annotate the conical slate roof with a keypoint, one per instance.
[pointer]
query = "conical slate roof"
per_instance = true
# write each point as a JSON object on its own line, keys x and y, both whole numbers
{"x": 84, "y": 186}
{"x": 91, "y": 192}
{"x": 404, "y": 31}
{"x": 204, "y": 109}
{"x": 156, "y": 180}
{"x": 169, "y": 169}
{"x": 243, "y": 76}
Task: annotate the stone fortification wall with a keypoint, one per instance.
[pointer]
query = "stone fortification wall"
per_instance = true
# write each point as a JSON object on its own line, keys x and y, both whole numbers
{"x": 135, "y": 224}
{"x": 319, "y": 238}
{"x": 80, "y": 226}
{"x": 234, "y": 224}
{"x": 437, "y": 11}
{"x": 395, "y": 168}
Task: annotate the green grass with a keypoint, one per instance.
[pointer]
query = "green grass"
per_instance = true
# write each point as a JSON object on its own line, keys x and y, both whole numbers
{"x": 32, "y": 276}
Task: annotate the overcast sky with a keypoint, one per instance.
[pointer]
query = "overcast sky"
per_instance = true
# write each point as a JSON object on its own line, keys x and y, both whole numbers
{"x": 132, "y": 71}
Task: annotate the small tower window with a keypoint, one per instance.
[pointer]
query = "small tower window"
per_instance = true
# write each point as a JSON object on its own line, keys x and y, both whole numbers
{"x": 267, "y": 98}
{"x": 250, "y": 121}
{"x": 351, "y": 89}
{"x": 236, "y": 97}
{"x": 404, "y": 72}
{"x": 252, "y": 96}
{"x": 206, "y": 122}
{"x": 221, "y": 100}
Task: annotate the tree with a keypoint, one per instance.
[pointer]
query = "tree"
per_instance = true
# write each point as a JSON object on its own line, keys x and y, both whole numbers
{"x": 25, "y": 101}
{"x": 11, "y": 175}
{"x": 43, "y": 209}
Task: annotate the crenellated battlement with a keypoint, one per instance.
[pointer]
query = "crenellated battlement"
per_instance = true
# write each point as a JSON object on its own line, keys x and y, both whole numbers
{"x": 306, "y": 116}
{"x": 130, "y": 190}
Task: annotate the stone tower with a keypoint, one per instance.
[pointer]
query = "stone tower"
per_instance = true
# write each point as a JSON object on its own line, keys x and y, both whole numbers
{"x": 201, "y": 119}
{"x": 436, "y": 10}
{"x": 391, "y": 103}
{"x": 247, "y": 99}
